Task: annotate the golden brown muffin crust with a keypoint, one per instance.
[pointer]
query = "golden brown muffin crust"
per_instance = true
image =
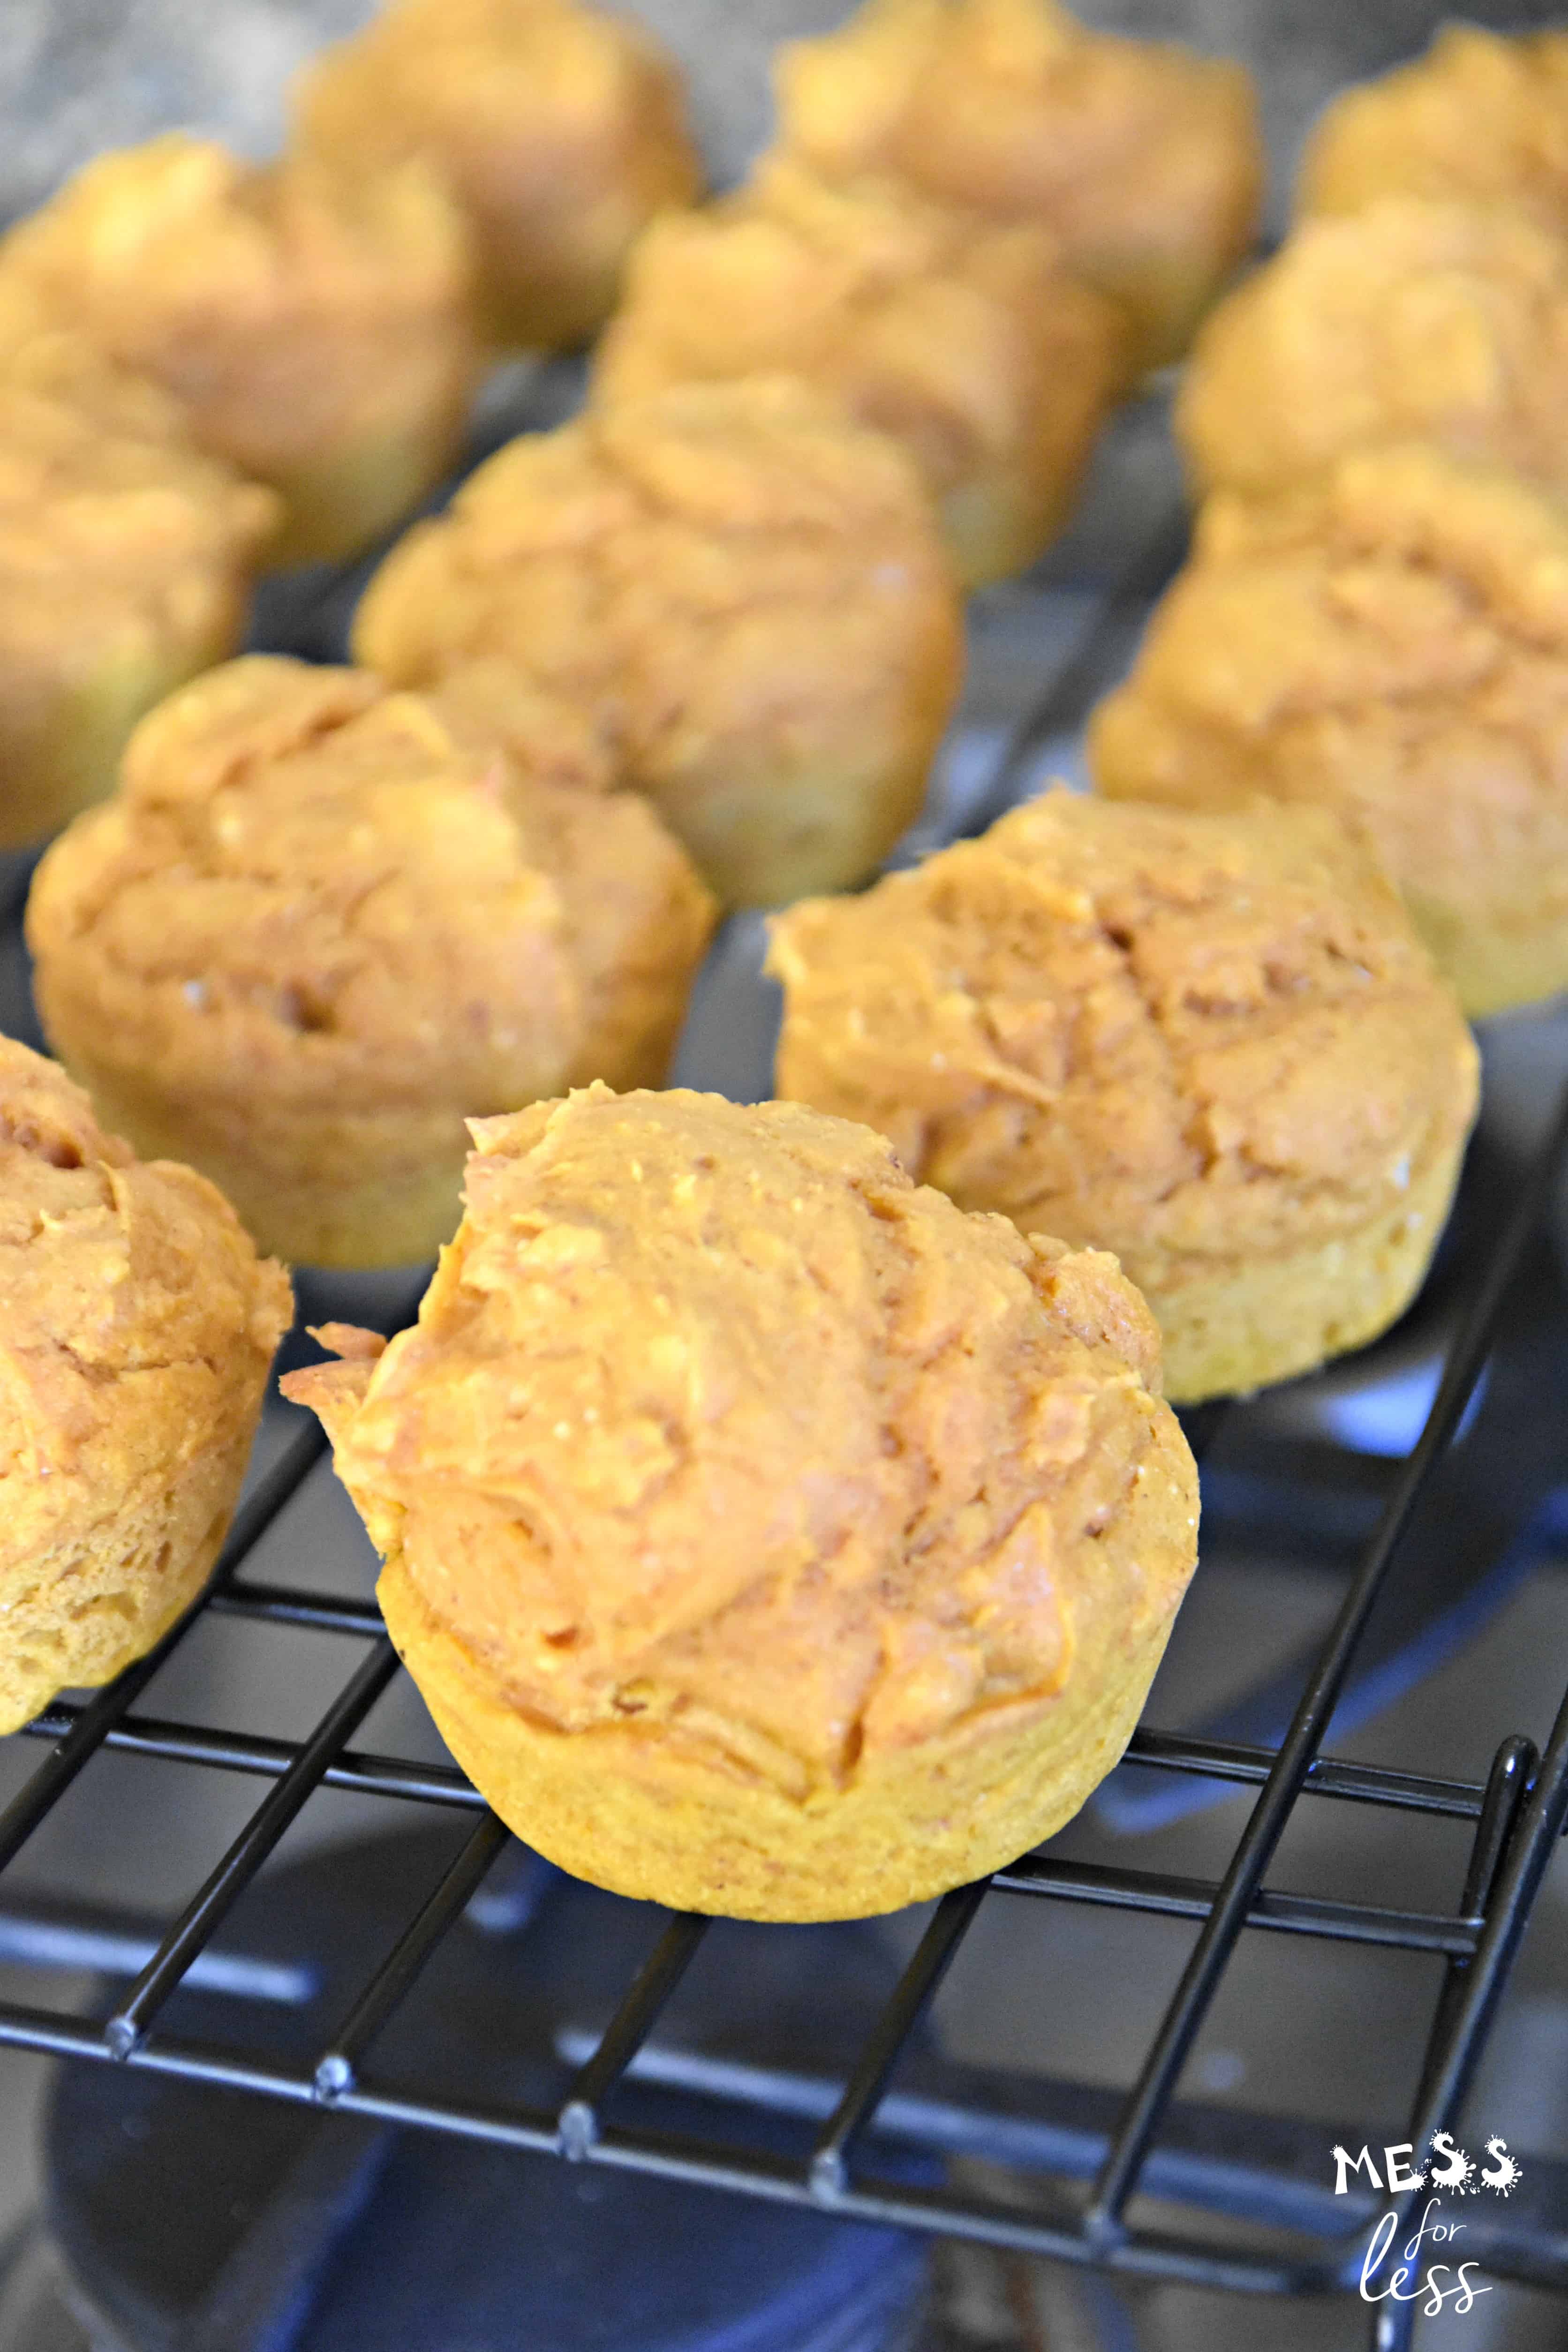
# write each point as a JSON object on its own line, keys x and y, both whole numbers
{"x": 858, "y": 1487}
{"x": 323, "y": 922}
{"x": 559, "y": 131}
{"x": 1144, "y": 158}
{"x": 746, "y": 590}
{"x": 125, "y": 558}
{"x": 1196, "y": 1041}
{"x": 314, "y": 328}
{"x": 1392, "y": 642}
{"x": 1481, "y": 118}
{"x": 967, "y": 340}
{"x": 1411, "y": 320}
{"x": 138, "y": 1327}
{"x": 58, "y": 362}
{"x": 547, "y": 738}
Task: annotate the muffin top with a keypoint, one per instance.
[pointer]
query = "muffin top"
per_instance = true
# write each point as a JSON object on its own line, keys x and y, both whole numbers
{"x": 627, "y": 550}
{"x": 1482, "y": 117}
{"x": 745, "y": 591}
{"x": 150, "y": 242}
{"x": 1007, "y": 105}
{"x": 107, "y": 505}
{"x": 318, "y": 891}
{"x": 1190, "y": 1038}
{"x": 1411, "y": 319}
{"x": 1016, "y": 109}
{"x": 712, "y": 1418}
{"x": 128, "y": 1290}
{"x": 559, "y": 128}
{"x": 1399, "y": 570}
{"x": 498, "y": 67}
{"x": 240, "y": 286}
{"x": 920, "y": 315}
{"x": 43, "y": 353}
{"x": 1400, "y": 629}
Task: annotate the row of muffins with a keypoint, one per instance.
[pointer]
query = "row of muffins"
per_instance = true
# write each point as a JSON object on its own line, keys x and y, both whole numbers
{"x": 677, "y": 1666}
{"x": 978, "y": 225}
{"x": 1211, "y": 1041}
{"x": 324, "y": 925}
{"x": 222, "y": 365}
{"x": 1374, "y": 618}
{"x": 589, "y": 565}
{"x": 584, "y": 1466}
{"x": 770, "y": 632}
{"x": 462, "y": 180}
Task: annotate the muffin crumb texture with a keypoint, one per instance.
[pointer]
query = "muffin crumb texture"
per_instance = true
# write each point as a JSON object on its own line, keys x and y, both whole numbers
{"x": 1212, "y": 1046}
{"x": 139, "y": 1329}
{"x": 767, "y": 1536}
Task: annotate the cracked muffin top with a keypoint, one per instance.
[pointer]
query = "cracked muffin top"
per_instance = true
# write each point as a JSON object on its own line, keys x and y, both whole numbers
{"x": 1193, "y": 1039}
{"x": 107, "y": 505}
{"x": 559, "y": 129}
{"x": 130, "y": 1289}
{"x": 316, "y": 893}
{"x": 657, "y": 532}
{"x": 44, "y": 354}
{"x": 920, "y": 315}
{"x": 1481, "y": 118}
{"x": 715, "y": 1424}
{"x": 744, "y": 589}
{"x": 1143, "y": 158}
{"x": 297, "y": 316}
{"x": 1411, "y": 320}
{"x": 1391, "y": 641}
{"x": 1399, "y": 570}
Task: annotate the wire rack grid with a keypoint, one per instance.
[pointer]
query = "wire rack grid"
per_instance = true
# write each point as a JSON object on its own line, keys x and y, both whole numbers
{"x": 1088, "y": 2154}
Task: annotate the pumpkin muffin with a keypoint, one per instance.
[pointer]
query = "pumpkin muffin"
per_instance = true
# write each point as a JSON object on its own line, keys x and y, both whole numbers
{"x": 744, "y": 589}
{"x": 1391, "y": 643}
{"x": 126, "y": 559}
{"x": 1411, "y": 320}
{"x": 968, "y": 342}
{"x": 558, "y": 130}
{"x": 1145, "y": 160}
{"x": 1210, "y": 1044}
{"x": 766, "y": 1537}
{"x": 321, "y": 923}
{"x": 1482, "y": 118}
{"x": 140, "y": 1329}
{"x": 315, "y": 329}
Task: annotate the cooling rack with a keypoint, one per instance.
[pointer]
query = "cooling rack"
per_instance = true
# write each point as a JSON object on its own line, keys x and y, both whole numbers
{"x": 1242, "y": 2200}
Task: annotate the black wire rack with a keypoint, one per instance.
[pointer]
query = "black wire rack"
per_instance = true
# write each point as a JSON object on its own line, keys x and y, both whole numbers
{"x": 1243, "y": 2200}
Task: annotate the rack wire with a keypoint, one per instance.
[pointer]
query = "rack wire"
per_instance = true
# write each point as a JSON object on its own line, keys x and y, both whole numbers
{"x": 1087, "y": 2153}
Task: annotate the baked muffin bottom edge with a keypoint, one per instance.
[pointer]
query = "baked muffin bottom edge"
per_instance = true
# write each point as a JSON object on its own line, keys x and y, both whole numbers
{"x": 130, "y": 1576}
{"x": 1276, "y": 1318}
{"x": 662, "y": 1827}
